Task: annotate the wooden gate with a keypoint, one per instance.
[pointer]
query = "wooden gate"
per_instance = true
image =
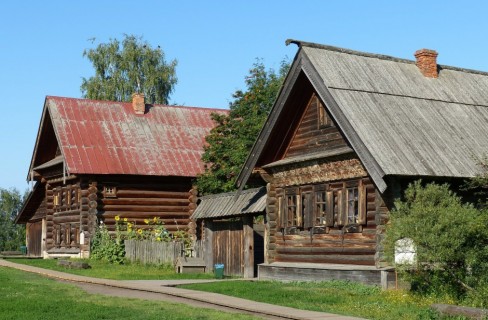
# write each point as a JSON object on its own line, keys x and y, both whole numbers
{"x": 227, "y": 245}
{"x": 34, "y": 238}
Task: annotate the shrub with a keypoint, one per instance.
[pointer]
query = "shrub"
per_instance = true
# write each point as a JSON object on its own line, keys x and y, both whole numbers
{"x": 451, "y": 242}
{"x": 111, "y": 248}
{"x": 104, "y": 247}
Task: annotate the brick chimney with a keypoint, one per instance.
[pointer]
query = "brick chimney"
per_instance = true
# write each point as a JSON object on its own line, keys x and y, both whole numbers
{"x": 427, "y": 62}
{"x": 138, "y": 103}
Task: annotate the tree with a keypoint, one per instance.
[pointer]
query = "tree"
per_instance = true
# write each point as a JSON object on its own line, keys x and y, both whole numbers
{"x": 136, "y": 67}
{"x": 450, "y": 239}
{"x": 12, "y": 236}
{"x": 229, "y": 143}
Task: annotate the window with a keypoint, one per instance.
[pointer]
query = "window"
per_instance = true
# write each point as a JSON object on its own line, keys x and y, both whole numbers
{"x": 56, "y": 198}
{"x": 68, "y": 197}
{"x": 291, "y": 210}
{"x": 110, "y": 191}
{"x": 352, "y": 206}
{"x": 337, "y": 205}
{"x": 321, "y": 207}
{"x": 323, "y": 118}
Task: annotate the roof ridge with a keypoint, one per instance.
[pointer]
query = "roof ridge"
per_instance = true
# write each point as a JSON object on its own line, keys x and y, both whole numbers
{"x": 159, "y": 105}
{"x": 374, "y": 55}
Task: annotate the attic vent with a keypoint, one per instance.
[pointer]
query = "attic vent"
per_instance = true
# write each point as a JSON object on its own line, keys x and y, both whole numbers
{"x": 427, "y": 62}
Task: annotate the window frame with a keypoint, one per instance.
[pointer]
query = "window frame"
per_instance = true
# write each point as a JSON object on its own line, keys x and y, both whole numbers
{"x": 322, "y": 206}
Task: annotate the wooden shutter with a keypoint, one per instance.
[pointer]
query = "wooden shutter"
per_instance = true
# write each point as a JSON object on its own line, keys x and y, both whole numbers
{"x": 329, "y": 214}
{"x": 279, "y": 212}
{"x": 341, "y": 212}
{"x": 362, "y": 203}
{"x": 307, "y": 213}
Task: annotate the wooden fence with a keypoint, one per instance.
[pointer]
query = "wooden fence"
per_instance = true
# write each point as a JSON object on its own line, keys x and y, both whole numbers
{"x": 159, "y": 253}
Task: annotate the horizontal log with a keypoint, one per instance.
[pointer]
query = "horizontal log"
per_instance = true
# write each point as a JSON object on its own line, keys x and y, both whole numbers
{"x": 352, "y": 250}
{"x": 152, "y": 194}
{"x": 453, "y": 310}
{"x": 144, "y": 214}
{"x": 139, "y": 222}
{"x": 335, "y": 259}
{"x": 145, "y": 208}
{"x": 67, "y": 213}
{"x": 146, "y": 201}
{"x": 66, "y": 219}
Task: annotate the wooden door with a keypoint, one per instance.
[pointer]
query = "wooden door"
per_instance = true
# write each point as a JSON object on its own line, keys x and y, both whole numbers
{"x": 227, "y": 243}
{"x": 34, "y": 239}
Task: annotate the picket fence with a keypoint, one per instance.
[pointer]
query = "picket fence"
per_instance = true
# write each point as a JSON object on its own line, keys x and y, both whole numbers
{"x": 159, "y": 253}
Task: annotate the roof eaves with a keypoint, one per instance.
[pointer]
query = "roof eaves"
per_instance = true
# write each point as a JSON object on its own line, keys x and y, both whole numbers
{"x": 264, "y": 135}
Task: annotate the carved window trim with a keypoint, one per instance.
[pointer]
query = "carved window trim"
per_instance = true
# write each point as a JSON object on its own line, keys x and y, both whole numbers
{"x": 322, "y": 207}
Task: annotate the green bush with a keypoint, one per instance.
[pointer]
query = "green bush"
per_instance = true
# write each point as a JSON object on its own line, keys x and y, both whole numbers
{"x": 451, "y": 242}
{"x": 105, "y": 247}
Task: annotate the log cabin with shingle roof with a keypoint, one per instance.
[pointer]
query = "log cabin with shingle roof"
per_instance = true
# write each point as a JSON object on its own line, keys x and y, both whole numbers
{"x": 94, "y": 160}
{"x": 347, "y": 133}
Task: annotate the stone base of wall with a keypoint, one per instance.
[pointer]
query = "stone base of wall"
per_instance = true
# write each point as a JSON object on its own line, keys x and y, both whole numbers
{"x": 287, "y": 271}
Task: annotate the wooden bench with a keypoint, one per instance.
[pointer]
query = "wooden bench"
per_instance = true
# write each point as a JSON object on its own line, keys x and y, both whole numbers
{"x": 73, "y": 264}
{"x": 189, "y": 265}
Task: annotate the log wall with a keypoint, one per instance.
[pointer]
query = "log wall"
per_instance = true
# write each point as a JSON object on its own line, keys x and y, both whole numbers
{"x": 140, "y": 203}
{"x": 338, "y": 243}
{"x": 313, "y": 134}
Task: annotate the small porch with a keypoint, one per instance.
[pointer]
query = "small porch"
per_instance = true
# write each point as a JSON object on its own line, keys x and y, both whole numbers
{"x": 297, "y": 271}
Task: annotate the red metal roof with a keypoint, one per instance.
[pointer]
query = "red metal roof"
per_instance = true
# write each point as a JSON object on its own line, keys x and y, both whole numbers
{"x": 105, "y": 137}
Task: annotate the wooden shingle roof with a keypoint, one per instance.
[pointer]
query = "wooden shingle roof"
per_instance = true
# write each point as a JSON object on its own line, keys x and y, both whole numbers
{"x": 105, "y": 137}
{"x": 397, "y": 121}
{"x": 222, "y": 205}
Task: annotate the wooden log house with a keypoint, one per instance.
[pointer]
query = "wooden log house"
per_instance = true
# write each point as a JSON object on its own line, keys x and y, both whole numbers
{"x": 347, "y": 133}
{"x": 94, "y": 160}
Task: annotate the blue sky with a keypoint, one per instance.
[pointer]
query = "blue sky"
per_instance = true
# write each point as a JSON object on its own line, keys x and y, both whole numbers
{"x": 215, "y": 43}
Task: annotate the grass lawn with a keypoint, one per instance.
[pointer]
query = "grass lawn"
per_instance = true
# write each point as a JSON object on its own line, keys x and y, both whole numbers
{"x": 100, "y": 269}
{"x": 25, "y": 295}
{"x": 338, "y": 297}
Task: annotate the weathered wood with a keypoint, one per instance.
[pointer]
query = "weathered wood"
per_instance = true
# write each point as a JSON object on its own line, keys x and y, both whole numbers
{"x": 142, "y": 193}
{"x": 451, "y": 310}
{"x": 153, "y": 252}
{"x": 146, "y": 201}
{"x": 367, "y": 260}
{"x": 248, "y": 246}
{"x": 146, "y": 208}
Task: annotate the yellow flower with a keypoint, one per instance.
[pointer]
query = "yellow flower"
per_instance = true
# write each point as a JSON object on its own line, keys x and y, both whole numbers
{"x": 129, "y": 229}
{"x": 139, "y": 231}
{"x": 125, "y": 219}
{"x": 155, "y": 219}
{"x": 158, "y": 238}
{"x": 129, "y": 225}
{"x": 146, "y": 221}
{"x": 117, "y": 218}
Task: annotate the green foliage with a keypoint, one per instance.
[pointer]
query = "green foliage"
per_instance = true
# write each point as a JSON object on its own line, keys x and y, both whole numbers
{"x": 479, "y": 184}
{"x": 136, "y": 67}
{"x": 231, "y": 140}
{"x": 451, "y": 241}
{"x": 110, "y": 247}
{"x": 105, "y": 247}
{"x": 12, "y": 236}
